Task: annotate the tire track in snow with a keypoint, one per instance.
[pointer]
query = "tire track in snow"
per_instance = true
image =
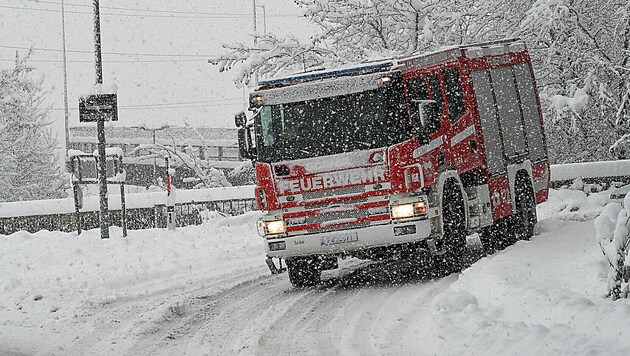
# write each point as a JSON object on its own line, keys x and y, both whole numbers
{"x": 116, "y": 327}
{"x": 203, "y": 317}
{"x": 355, "y": 313}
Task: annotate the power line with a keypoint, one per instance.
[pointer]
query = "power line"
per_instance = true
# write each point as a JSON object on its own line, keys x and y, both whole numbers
{"x": 159, "y": 108}
{"x": 244, "y": 15}
{"x": 107, "y": 61}
{"x": 220, "y": 101}
{"x": 214, "y": 16}
{"x": 108, "y": 53}
{"x": 179, "y": 105}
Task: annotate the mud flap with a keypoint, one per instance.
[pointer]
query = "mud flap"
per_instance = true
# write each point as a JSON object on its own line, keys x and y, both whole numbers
{"x": 272, "y": 266}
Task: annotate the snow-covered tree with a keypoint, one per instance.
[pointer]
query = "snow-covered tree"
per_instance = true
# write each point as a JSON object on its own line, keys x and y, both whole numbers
{"x": 353, "y": 31}
{"x": 29, "y": 167}
{"x": 206, "y": 175}
{"x": 581, "y": 51}
{"x": 613, "y": 236}
{"x": 270, "y": 56}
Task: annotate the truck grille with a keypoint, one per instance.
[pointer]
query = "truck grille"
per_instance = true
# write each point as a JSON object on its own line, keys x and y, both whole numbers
{"x": 334, "y": 192}
{"x": 337, "y": 228}
{"x": 320, "y": 218}
{"x": 324, "y": 205}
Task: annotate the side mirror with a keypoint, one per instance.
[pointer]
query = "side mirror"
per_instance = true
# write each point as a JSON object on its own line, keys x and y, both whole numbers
{"x": 427, "y": 116}
{"x": 245, "y": 146}
{"x": 240, "y": 119}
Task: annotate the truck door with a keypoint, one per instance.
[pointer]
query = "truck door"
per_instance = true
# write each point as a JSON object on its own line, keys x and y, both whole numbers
{"x": 510, "y": 116}
{"x": 488, "y": 114}
{"x": 464, "y": 153}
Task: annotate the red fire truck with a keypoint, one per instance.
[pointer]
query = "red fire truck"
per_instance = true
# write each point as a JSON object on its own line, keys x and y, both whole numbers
{"x": 398, "y": 156}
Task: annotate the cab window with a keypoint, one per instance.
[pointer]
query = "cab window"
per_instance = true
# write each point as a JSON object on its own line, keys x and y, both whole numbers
{"x": 454, "y": 94}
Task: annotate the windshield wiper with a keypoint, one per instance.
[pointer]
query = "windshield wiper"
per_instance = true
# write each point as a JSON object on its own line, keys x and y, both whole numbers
{"x": 364, "y": 143}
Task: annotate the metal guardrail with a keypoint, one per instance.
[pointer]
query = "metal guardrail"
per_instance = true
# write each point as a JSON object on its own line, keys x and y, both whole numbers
{"x": 590, "y": 172}
{"x": 137, "y": 218}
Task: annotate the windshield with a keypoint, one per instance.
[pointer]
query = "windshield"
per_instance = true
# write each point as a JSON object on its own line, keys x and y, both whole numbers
{"x": 326, "y": 126}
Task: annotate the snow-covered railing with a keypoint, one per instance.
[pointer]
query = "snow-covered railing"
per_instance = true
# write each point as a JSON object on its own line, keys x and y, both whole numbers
{"x": 133, "y": 201}
{"x": 602, "y": 170}
{"x": 144, "y": 209}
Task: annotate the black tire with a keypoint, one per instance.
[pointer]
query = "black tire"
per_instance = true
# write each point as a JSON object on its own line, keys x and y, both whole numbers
{"x": 304, "y": 272}
{"x": 498, "y": 236}
{"x": 524, "y": 217}
{"x": 453, "y": 241}
{"x": 518, "y": 226}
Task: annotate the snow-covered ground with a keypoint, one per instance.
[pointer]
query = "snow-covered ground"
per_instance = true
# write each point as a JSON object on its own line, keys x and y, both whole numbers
{"x": 205, "y": 291}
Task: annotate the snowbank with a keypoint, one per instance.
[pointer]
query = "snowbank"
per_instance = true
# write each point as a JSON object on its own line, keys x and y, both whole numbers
{"x": 570, "y": 204}
{"x": 63, "y": 294}
{"x": 48, "y": 278}
{"x": 547, "y": 297}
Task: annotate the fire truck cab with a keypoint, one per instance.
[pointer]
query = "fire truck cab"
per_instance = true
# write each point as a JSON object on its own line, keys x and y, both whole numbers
{"x": 398, "y": 156}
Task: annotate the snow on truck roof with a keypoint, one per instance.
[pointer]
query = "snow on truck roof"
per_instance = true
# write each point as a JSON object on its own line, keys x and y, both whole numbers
{"x": 330, "y": 73}
{"x": 475, "y": 50}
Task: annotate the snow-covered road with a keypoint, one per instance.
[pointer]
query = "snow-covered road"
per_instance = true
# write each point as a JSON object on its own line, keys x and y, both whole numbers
{"x": 205, "y": 291}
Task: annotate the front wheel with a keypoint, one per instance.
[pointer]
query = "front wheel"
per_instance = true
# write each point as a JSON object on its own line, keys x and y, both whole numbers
{"x": 454, "y": 231}
{"x": 304, "y": 272}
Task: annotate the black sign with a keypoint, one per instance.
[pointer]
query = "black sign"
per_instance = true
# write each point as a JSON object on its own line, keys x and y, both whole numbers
{"x": 98, "y": 107}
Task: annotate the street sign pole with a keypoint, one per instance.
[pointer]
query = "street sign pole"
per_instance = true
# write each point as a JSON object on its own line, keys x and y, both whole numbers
{"x": 100, "y": 128}
{"x": 170, "y": 202}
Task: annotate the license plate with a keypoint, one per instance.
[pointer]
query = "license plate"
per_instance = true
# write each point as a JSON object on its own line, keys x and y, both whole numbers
{"x": 339, "y": 239}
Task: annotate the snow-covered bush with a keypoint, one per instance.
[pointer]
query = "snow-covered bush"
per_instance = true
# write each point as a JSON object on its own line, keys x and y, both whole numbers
{"x": 29, "y": 167}
{"x": 243, "y": 174}
{"x": 613, "y": 236}
{"x": 206, "y": 176}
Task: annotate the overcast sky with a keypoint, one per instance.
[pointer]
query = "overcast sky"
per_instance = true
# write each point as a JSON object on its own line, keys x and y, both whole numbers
{"x": 156, "y": 55}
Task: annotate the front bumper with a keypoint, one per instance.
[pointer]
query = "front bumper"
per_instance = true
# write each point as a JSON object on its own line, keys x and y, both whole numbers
{"x": 347, "y": 240}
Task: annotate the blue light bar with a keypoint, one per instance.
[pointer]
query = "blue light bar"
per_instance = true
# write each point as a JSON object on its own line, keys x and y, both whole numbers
{"x": 305, "y": 77}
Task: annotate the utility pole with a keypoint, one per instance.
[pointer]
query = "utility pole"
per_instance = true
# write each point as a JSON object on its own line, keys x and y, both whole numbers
{"x": 264, "y": 18}
{"x": 65, "y": 76}
{"x": 255, "y": 40}
{"x": 100, "y": 128}
{"x": 255, "y": 28}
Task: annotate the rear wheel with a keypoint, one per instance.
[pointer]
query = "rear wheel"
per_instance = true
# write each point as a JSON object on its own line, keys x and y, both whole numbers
{"x": 454, "y": 231}
{"x": 525, "y": 215}
{"x": 304, "y": 272}
{"x": 518, "y": 226}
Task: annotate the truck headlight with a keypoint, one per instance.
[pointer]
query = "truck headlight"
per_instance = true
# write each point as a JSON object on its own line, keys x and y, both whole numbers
{"x": 409, "y": 210}
{"x": 272, "y": 227}
{"x": 402, "y": 211}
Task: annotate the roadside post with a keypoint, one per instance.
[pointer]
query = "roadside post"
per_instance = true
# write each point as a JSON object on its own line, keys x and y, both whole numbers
{"x": 99, "y": 107}
{"x": 85, "y": 169}
{"x": 123, "y": 208}
{"x": 170, "y": 199}
{"x": 77, "y": 192}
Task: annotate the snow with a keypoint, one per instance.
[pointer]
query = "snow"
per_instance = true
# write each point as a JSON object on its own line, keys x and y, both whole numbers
{"x": 204, "y": 290}
{"x": 570, "y": 171}
{"x": 132, "y": 201}
{"x": 108, "y": 88}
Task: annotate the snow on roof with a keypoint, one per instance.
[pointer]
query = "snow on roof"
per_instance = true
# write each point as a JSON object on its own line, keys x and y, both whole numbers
{"x": 330, "y": 73}
{"x": 335, "y": 86}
